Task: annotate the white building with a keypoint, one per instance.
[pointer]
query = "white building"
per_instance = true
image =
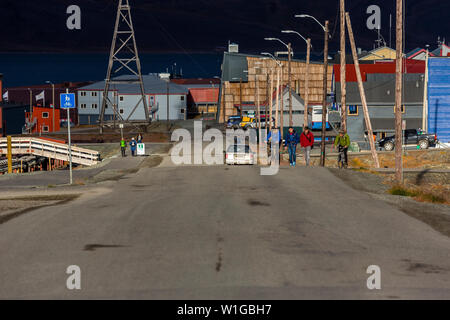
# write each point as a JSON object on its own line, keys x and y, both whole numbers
{"x": 126, "y": 96}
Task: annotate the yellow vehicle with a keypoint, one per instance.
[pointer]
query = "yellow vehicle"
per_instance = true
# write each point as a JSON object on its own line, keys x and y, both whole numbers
{"x": 248, "y": 122}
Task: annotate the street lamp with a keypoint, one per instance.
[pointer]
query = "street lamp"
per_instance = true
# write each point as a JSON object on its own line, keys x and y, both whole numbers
{"x": 325, "y": 83}
{"x": 308, "y": 55}
{"x": 289, "y": 48}
{"x": 53, "y": 104}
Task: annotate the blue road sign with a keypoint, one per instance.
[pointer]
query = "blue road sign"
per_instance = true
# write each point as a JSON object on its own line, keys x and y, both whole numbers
{"x": 67, "y": 100}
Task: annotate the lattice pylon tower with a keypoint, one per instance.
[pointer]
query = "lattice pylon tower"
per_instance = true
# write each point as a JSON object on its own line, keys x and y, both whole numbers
{"x": 123, "y": 56}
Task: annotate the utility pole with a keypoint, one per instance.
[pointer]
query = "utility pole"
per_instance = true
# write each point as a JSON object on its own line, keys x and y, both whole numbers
{"x": 278, "y": 98}
{"x": 343, "y": 70}
{"x": 324, "y": 98}
{"x": 425, "y": 94}
{"x": 271, "y": 100}
{"x": 267, "y": 100}
{"x": 9, "y": 153}
{"x": 258, "y": 114}
{"x": 289, "y": 80}
{"x": 361, "y": 92}
{"x": 308, "y": 55}
{"x": 168, "y": 118}
{"x": 31, "y": 110}
{"x": 240, "y": 96}
{"x": 282, "y": 103}
{"x": 398, "y": 93}
{"x": 223, "y": 102}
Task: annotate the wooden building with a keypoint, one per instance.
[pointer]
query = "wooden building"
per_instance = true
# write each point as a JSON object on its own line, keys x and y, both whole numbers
{"x": 240, "y": 72}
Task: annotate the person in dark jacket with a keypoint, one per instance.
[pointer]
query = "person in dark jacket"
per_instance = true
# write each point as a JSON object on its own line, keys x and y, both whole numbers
{"x": 307, "y": 142}
{"x": 290, "y": 143}
{"x": 133, "y": 147}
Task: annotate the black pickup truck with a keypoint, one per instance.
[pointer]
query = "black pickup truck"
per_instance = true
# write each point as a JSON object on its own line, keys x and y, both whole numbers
{"x": 410, "y": 137}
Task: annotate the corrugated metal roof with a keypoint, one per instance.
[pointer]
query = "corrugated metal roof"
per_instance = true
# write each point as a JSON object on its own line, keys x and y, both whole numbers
{"x": 152, "y": 85}
{"x": 439, "y": 98}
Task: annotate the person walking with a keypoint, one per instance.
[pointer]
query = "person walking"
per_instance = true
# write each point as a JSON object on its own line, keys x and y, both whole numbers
{"x": 307, "y": 143}
{"x": 123, "y": 146}
{"x": 290, "y": 143}
{"x": 343, "y": 140}
{"x": 133, "y": 146}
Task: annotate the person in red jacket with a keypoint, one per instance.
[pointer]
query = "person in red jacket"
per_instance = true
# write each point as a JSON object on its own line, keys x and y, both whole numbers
{"x": 307, "y": 142}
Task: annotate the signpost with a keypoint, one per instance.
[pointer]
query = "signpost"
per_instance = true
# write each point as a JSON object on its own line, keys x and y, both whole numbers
{"x": 68, "y": 102}
{"x": 141, "y": 149}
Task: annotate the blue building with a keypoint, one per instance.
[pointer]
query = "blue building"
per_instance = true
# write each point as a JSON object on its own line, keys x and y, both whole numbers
{"x": 439, "y": 97}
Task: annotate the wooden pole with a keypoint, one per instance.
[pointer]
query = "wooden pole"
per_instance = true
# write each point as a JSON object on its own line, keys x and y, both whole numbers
{"x": 240, "y": 96}
{"x": 258, "y": 114}
{"x": 9, "y": 153}
{"x": 289, "y": 80}
{"x": 398, "y": 93}
{"x": 223, "y": 102}
{"x": 282, "y": 103}
{"x": 425, "y": 95}
{"x": 277, "y": 97}
{"x": 361, "y": 92}
{"x": 267, "y": 99}
{"x": 271, "y": 100}
{"x": 343, "y": 70}
{"x": 308, "y": 55}
{"x": 324, "y": 98}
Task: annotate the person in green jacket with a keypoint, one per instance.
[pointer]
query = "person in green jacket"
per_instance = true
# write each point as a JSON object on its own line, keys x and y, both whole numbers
{"x": 343, "y": 140}
{"x": 123, "y": 146}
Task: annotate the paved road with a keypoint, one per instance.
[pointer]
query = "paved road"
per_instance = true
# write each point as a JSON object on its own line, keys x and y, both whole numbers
{"x": 223, "y": 232}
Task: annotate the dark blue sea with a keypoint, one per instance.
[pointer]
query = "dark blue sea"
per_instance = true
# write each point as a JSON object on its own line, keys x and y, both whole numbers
{"x": 22, "y": 69}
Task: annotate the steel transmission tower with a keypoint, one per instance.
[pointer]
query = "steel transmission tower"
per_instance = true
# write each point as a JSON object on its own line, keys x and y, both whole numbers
{"x": 123, "y": 56}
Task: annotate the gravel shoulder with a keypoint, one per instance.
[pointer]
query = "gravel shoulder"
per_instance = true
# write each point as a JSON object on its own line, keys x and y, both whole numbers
{"x": 435, "y": 215}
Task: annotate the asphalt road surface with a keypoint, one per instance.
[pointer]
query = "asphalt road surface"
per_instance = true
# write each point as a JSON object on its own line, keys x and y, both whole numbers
{"x": 223, "y": 233}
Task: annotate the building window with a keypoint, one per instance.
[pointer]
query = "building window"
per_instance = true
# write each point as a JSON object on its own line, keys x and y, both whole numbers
{"x": 121, "y": 111}
{"x": 403, "y": 109}
{"x": 182, "y": 110}
{"x": 83, "y": 106}
{"x": 44, "y": 115}
{"x": 44, "y": 128}
{"x": 182, "y": 98}
{"x": 353, "y": 110}
{"x": 94, "y": 106}
{"x": 94, "y": 94}
{"x": 83, "y": 93}
{"x": 120, "y": 98}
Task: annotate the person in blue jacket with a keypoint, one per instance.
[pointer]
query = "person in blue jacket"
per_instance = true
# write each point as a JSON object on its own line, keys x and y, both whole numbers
{"x": 290, "y": 143}
{"x": 133, "y": 147}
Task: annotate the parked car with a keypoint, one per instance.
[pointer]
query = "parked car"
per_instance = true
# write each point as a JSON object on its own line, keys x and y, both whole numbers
{"x": 239, "y": 154}
{"x": 63, "y": 123}
{"x": 265, "y": 122}
{"x": 233, "y": 122}
{"x": 410, "y": 137}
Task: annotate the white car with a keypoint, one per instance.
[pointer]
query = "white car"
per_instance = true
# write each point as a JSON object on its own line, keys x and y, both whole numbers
{"x": 239, "y": 154}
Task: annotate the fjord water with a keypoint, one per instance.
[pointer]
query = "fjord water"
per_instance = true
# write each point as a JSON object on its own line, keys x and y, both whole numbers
{"x": 22, "y": 69}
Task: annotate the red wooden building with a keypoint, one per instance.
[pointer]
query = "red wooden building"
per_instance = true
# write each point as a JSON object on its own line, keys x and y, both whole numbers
{"x": 42, "y": 121}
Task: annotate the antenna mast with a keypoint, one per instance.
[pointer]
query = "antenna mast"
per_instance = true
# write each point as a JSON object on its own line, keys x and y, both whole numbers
{"x": 123, "y": 55}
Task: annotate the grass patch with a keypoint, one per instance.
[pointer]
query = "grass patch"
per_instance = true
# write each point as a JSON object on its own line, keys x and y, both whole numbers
{"x": 419, "y": 195}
